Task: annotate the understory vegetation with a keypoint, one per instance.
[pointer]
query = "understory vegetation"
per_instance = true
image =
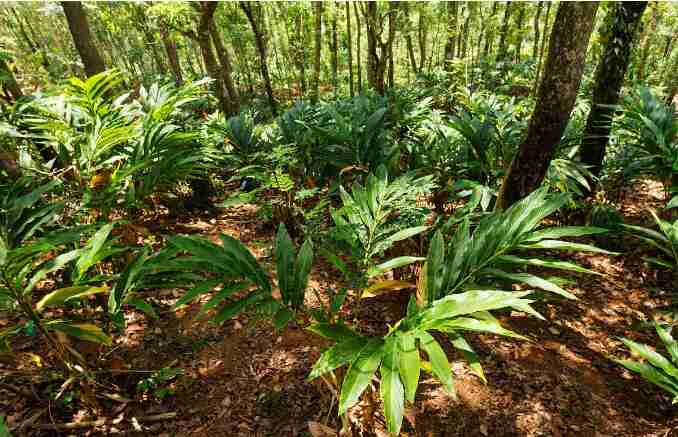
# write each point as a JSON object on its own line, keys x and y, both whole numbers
{"x": 456, "y": 180}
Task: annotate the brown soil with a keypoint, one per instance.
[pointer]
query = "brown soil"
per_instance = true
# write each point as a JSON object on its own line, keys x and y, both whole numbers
{"x": 246, "y": 379}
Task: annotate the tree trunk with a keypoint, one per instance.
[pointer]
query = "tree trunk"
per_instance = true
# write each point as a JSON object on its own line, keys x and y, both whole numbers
{"x": 204, "y": 41}
{"x": 465, "y": 30}
{"x": 172, "y": 56}
{"x": 226, "y": 68}
{"x": 555, "y": 100}
{"x": 490, "y": 31}
{"x": 318, "y": 6}
{"x": 82, "y": 38}
{"x": 408, "y": 38}
{"x": 541, "y": 49}
{"x": 535, "y": 43}
{"x": 621, "y": 31}
{"x": 9, "y": 83}
{"x": 300, "y": 50}
{"x": 503, "y": 34}
{"x": 377, "y": 50}
{"x": 671, "y": 77}
{"x": 334, "y": 45}
{"x": 350, "y": 50}
{"x": 647, "y": 41}
{"x": 520, "y": 22}
{"x": 422, "y": 33}
{"x": 452, "y": 19}
{"x": 261, "y": 48}
{"x": 392, "y": 16}
{"x": 32, "y": 44}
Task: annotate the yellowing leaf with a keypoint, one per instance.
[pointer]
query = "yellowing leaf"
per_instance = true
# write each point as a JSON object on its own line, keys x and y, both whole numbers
{"x": 386, "y": 286}
{"x": 61, "y": 295}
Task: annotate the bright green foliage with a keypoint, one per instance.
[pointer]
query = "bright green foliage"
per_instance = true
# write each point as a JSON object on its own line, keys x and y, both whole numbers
{"x": 232, "y": 270}
{"x": 492, "y": 251}
{"x": 366, "y": 222}
{"x": 655, "y": 367}
{"x": 398, "y": 356}
{"x": 665, "y": 240}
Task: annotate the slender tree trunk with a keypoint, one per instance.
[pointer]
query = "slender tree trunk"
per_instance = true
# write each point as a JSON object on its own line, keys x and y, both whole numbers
{"x": 300, "y": 50}
{"x": 557, "y": 94}
{"x": 452, "y": 19}
{"x": 318, "y": 6}
{"x": 422, "y": 32}
{"x": 204, "y": 41}
{"x": 392, "y": 17}
{"x": 544, "y": 35}
{"x": 226, "y": 68}
{"x": 334, "y": 44}
{"x": 490, "y": 31}
{"x": 408, "y": 39}
{"x": 32, "y": 44}
{"x": 465, "y": 30}
{"x": 520, "y": 22}
{"x": 535, "y": 43}
{"x": 503, "y": 34}
{"x": 261, "y": 48}
{"x": 350, "y": 49}
{"x": 621, "y": 32}
{"x": 647, "y": 41}
{"x": 82, "y": 38}
{"x": 671, "y": 78}
{"x": 172, "y": 56}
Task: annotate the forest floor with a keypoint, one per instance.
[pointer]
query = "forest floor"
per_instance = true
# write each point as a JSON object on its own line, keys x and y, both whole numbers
{"x": 246, "y": 379}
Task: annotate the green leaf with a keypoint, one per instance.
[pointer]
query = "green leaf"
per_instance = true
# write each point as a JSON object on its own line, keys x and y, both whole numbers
{"x": 407, "y": 233}
{"x": 393, "y": 264}
{"x": 439, "y": 364}
{"x": 302, "y": 268}
{"x": 199, "y": 289}
{"x": 360, "y": 373}
{"x": 564, "y": 231}
{"x": 332, "y": 331}
{"x": 566, "y": 245}
{"x": 284, "y": 254}
{"x": 143, "y": 306}
{"x": 410, "y": 365}
{"x": 341, "y": 353}
{"x": 57, "y": 297}
{"x": 469, "y": 354}
{"x": 82, "y": 331}
{"x": 561, "y": 265}
{"x": 282, "y": 318}
{"x": 391, "y": 388}
{"x": 532, "y": 281}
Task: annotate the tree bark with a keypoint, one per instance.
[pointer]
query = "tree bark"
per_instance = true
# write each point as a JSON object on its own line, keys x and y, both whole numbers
{"x": 557, "y": 94}
{"x": 261, "y": 48}
{"x": 82, "y": 38}
{"x": 490, "y": 31}
{"x": 501, "y": 50}
{"x": 621, "y": 31}
{"x": 452, "y": 19}
{"x": 318, "y": 6}
{"x": 422, "y": 34}
{"x": 350, "y": 50}
{"x": 377, "y": 50}
{"x": 671, "y": 78}
{"x": 226, "y": 68}
{"x": 300, "y": 50}
{"x": 172, "y": 56}
{"x": 408, "y": 38}
{"x": 392, "y": 16}
{"x": 334, "y": 46}
{"x": 541, "y": 49}
{"x": 535, "y": 44}
{"x": 647, "y": 40}
{"x": 520, "y": 22}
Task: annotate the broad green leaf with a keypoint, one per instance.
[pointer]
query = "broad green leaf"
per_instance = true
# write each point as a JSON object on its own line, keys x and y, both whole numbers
{"x": 284, "y": 254}
{"x": 563, "y": 231}
{"x": 460, "y": 343}
{"x": 57, "y": 297}
{"x": 566, "y": 245}
{"x": 561, "y": 265}
{"x": 199, "y": 289}
{"x": 531, "y": 280}
{"x": 333, "y": 331}
{"x": 82, "y": 331}
{"x": 391, "y": 388}
{"x": 410, "y": 365}
{"x": 439, "y": 364}
{"x": 360, "y": 374}
{"x": 302, "y": 270}
{"x": 407, "y": 233}
{"x": 393, "y": 264}
{"x": 341, "y": 353}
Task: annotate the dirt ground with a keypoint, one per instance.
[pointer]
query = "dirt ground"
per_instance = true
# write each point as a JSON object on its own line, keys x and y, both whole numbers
{"x": 246, "y": 379}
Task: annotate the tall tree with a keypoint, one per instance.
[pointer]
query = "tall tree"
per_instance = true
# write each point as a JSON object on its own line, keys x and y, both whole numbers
{"x": 318, "y": 6}
{"x": 503, "y": 33}
{"x": 620, "y": 32}
{"x": 250, "y": 9}
{"x": 334, "y": 47}
{"x": 489, "y": 38}
{"x": 520, "y": 22}
{"x": 226, "y": 68}
{"x": 648, "y": 35}
{"x": 392, "y": 16}
{"x": 377, "y": 50}
{"x": 298, "y": 45}
{"x": 535, "y": 43}
{"x": 452, "y": 19}
{"x": 555, "y": 100}
{"x": 408, "y": 37}
{"x": 541, "y": 48}
{"x": 350, "y": 49}
{"x": 357, "y": 49}
{"x": 82, "y": 38}
{"x": 422, "y": 31}
{"x": 172, "y": 55}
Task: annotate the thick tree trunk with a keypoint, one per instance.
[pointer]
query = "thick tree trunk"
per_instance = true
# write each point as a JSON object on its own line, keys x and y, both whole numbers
{"x": 503, "y": 33}
{"x": 535, "y": 43}
{"x": 226, "y": 68}
{"x": 422, "y": 31}
{"x": 452, "y": 19}
{"x": 377, "y": 50}
{"x": 350, "y": 50}
{"x": 204, "y": 41}
{"x": 261, "y": 48}
{"x": 172, "y": 56}
{"x": 318, "y": 6}
{"x": 555, "y": 100}
{"x": 622, "y": 28}
{"x": 82, "y": 38}
{"x": 541, "y": 49}
{"x": 408, "y": 38}
{"x": 465, "y": 30}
